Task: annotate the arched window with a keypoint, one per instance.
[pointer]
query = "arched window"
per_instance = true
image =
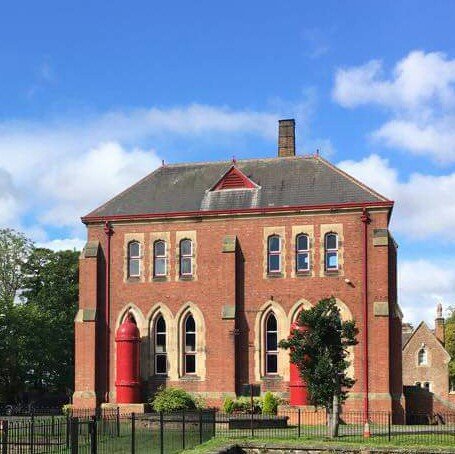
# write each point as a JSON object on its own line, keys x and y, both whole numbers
{"x": 134, "y": 259}
{"x": 331, "y": 251}
{"x": 422, "y": 357}
{"x": 160, "y": 346}
{"x": 271, "y": 344}
{"x": 274, "y": 254}
{"x": 302, "y": 253}
{"x": 186, "y": 258}
{"x": 190, "y": 345}
{"x": 418, "y": 384}
{"x": 427, "y": 386}
{"x": 159, "y": 258}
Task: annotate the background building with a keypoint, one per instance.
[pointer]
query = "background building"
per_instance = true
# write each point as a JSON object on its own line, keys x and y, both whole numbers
{"x": 215, "y": 260}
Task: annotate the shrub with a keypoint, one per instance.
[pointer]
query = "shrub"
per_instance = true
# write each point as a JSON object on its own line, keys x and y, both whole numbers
{"x": 67, "y": 409}
{"x": 173, "y": 399}
{"x": 229, "y": 405}
{"x": 269, "y": 404}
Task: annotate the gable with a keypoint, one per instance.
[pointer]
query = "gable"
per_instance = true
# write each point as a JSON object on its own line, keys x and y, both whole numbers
{"x": 234, "y": 179}
{"x": 423, "y": 335}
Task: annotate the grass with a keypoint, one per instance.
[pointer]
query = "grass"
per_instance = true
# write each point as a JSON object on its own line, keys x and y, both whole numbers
{"x": 410, "y": 445}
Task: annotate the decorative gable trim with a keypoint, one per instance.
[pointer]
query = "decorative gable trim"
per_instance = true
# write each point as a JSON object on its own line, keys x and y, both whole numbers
{"x": 234, "y": 179}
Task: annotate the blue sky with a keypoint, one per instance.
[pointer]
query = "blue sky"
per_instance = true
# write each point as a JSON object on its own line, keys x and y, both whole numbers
{"x": 93, "y": 95}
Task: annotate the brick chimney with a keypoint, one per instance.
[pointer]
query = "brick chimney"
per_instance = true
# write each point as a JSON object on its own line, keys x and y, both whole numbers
{"x": 439, "y": 325}
{"x": 286, "y": 138}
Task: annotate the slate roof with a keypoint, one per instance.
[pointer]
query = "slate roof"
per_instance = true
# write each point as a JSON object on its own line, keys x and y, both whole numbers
{"x": 294, "y": 181}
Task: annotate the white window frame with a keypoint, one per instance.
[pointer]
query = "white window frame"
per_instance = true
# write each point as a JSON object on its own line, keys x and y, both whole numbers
{"x": 134, "y": 257}
{"x": 156, "y": 257}
{"x": 186, "y": 352}
{"x": 268, "y": 352}
{"x": 424, "y": 360}
{"x": 165, "y": 345}
{"x": 270, "y": 254}
{"x": 299, "y": 252}
{"x": 328, "y": 251}
{"x": 186, "y": 256}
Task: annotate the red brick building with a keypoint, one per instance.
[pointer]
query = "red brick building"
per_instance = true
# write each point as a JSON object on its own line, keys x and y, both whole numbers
{"x": 216, "y": 259}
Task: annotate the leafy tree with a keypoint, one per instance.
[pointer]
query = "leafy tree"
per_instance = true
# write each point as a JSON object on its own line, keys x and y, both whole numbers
{"x": 450, "y": 341}
{"x": 49, "y": 305}
{"x": 319, "y": 348}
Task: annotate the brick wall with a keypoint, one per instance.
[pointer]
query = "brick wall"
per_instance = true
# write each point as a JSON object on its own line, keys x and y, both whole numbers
{"x": 237, "y": 279}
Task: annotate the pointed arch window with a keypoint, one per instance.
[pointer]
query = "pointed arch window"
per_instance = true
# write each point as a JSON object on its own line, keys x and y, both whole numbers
{"x": 186, "y": 257}
{"x": 422, "y": 357}
{"x": 271, "y": 345}
{"x": 160, "y": 346}
{"x": 302, "y": 253}
{"x": 134, "y": 259}
{"x": 274, "y": 254}
{"x": 331, "y": 251}
{"x": 190, "y": 345}
{"x": 159, "y": 258}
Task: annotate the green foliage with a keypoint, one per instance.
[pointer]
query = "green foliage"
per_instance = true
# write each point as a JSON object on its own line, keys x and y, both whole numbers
{"x": 67, "y": 409}
{"x": 269, "y": 404}
{"x": 320, "y": 352}
{"x": 228, "y": 405}
{"x": 37, "y": 330}
{"x": 173, "y": 399}
{"x": 242, "y": 405}
{"x": 450, "y": 341}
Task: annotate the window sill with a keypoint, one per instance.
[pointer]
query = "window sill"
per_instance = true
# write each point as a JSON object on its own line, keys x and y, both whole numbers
{"x": 303, "y": 273}
{"x": 134, "y": 279}
{"x": 274, "y": 275}
{"x": 274, "y": 377}
{"x": 160, "y": 278}
{"x": 190, "y": 377}
{"x": 186, "y": 278}
{"x": 332, "y": 272}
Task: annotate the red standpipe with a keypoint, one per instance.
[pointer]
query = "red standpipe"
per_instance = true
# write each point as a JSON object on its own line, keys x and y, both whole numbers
{"x": 298, "y": 393}
{"x": 109, "y": 232}
{"x": 365, "y": 218}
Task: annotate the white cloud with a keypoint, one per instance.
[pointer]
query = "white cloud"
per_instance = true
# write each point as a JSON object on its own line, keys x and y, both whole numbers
{"x": 423, "y": 203}
{"x": 63, "y": 244}
{"x": 419, "y": 94}
{"x": 422, "y": 284}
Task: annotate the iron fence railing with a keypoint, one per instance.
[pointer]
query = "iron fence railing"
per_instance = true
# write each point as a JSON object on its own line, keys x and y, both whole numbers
{"x": 109, "y": 431}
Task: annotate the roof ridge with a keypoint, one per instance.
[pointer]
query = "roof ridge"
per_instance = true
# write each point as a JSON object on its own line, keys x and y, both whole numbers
{"x": 188, "y": 164}
{"x": 352, "y": 179}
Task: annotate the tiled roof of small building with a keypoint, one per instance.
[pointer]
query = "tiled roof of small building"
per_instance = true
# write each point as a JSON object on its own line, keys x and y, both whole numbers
{"x": 281, "y": 182}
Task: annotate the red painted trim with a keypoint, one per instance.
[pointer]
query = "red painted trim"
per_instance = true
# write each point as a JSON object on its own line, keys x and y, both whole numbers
{"x": 234, "y": 179}
{"x": 200, "y": 213}
{"x": 365, "y": 218}
{"x": 108, "y": 232}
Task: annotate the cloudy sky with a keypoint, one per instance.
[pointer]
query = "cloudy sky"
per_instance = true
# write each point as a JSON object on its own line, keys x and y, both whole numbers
{"x": 93, "y": 95}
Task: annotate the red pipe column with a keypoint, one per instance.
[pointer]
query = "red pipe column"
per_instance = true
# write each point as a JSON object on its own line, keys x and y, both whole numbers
{"x": 108, "y": 230}
{"x": 365, "y": 218}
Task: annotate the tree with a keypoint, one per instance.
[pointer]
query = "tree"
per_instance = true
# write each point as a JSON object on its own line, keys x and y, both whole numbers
{"x": 319, "y": 348}
{"x": 450, "y": 342}
{"x": 49, "y": 305}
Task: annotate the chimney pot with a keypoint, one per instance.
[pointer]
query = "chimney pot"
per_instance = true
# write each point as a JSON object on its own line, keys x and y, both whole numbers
{"x": 286, "y": 138}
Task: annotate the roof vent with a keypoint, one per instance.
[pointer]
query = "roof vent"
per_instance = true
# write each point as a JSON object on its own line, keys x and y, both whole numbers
{"x": 286, "y": 138}
{"x": 234, "y": 179}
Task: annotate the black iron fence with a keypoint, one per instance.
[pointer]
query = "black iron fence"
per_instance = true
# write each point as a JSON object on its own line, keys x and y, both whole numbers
{"x": 110, "y": 432}
{"x": 107, "y": 432}
{"x": 295, "y": 423}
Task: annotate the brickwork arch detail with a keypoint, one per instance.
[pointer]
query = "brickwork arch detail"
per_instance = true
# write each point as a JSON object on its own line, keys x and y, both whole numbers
{"x": 180, "y": 317}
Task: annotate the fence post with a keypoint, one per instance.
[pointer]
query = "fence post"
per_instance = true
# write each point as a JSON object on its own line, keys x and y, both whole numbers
{"x": 4, "y": 426}
{"x": 92, "y": 428}
{"x": 214, "y": 423}
{"x": 161, "y": 433}
{"x": 200, "y": 427}
{"x": 252, "y": 422}
{"x": 32, "y": 432}
{"x": 183, "y": 429}
{"x": 389, "y": 426}
{"x": 74, "y": 427}
{"x": 53, "y": 423}
{"x": 133, "y": 433}
{"x": 298, "y": 423}
{"x": 118, "y": 421}
{"x": 68, "y": 428}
